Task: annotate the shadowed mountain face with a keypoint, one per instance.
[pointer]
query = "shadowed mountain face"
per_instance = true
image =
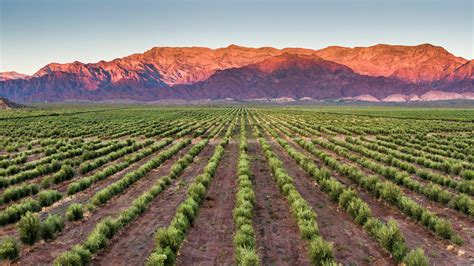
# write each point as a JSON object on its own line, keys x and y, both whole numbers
{"x": 294, "y": 76}
{"x": 61, "y": 86}
{"x": 460, "y": 80}
{"x": 251, "y": 73}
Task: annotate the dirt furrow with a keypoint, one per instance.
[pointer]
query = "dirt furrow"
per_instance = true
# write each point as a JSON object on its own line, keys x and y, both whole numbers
{"x": 415, "y": 234}
{"x": 135, "y": 242}
{"x": 74, "y": 233}
{"x": 462, "y": 223}
{"x": 210, "y": 240}
{"x": 351, "y": 243}
{"x": 413, "y": 176}
{"x": 278, "y": 237}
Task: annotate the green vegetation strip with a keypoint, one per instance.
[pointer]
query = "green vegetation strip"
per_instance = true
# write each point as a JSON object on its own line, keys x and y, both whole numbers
{"x": 31, "y": 229}
{"x": 244, "y": 239}
{"x": 320, "y": 251}
{"x": 47, "y": 197}
{"x": 89, "y": 166}
{"x": 119, "y": 186}
{"x": 464, "y": 186}
{"x": 86, "y": 182}
{"x": 384, "y": 190}
{"x": 30, "y": 170}
{"x": 388, "y": 235}
{"x": 14, "y": 212}
{"x": 99, "y": 238}
{"x": 169, "y": 239}
{"x": 462, "y": 203}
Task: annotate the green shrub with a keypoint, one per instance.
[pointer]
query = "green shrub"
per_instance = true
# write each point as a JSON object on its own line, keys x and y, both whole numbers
{"x": 468, "y": 174}
{"x": 18, "y": 192}
{"x": 247, "y": 256}
{"x": 83, "y": 253}
{"x": 95, "y": 242}
{"x": 463, "y": 203}
{"x": 188, "y": 208}
{"x": 14, "y": 212}
{"x": 66, "y": 173}
{"x": 9, "y": 248}
{"x": 334, "y": 188}
{"x": 389, "y": 191}
{"x": 50, "y": 226}
{"x": 169, "y": 237}
{"x": 73, "y": 188}
{"x": 320, "y": 251}
{"x": 164, "y": 253}
{"x": 29, "y": 228}
{"x": 416, "y": 258}
{"x": 346, "y": 197}
{"x": 456, "y": 168}
{"x": 392, "y": 239}
{"x": 48, "y": 197}
{"x": 69, "y": 258}
{"x": 75, "y": 212}
{"x": 359, "y": 211}
{"x": 197, "y": 192}
{"x": 180, "y": 223}
{"x": 245, "y": 237}
{"x": 444, "y": 229}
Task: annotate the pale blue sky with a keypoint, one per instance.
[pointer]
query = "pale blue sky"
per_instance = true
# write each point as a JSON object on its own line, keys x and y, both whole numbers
{"x": 36, "y": 32}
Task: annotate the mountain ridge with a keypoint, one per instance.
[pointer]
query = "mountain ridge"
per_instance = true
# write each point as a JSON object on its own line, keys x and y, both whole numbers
{"x": 11, "y": 75}
{"x": 294, "y": 76}
{"x": 167, "y": 72}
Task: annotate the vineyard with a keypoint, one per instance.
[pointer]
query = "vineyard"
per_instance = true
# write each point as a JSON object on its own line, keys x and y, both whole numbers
{"x": 144, "y": 185}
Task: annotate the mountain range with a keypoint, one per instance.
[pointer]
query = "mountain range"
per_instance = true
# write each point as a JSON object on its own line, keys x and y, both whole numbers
{"x": 377, "y": 73}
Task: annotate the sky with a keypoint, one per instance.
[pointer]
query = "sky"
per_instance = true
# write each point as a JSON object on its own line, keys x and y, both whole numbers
{"x": 34, "y": 33}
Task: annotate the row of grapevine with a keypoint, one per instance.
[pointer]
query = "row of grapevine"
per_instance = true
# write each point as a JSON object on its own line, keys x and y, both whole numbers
{"x": 244, "y": 238}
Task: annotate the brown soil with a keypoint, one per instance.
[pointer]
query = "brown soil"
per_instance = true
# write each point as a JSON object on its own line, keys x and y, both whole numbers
{"x": 62, "y": 187}
{"x": 460, "y": 150}
{"x": 83, "y": 196}
{"x": 134, "y": 243}
{"x": 278, "y": 237}
{"x": 415, "y": 234}
{"x": 33, "y": 157}
{"x": 462, "y": 223}
{"x": 76, "y": 232}
{"x": 412, "y": 176}
{"x": 435, "y": 171}
{"x": 440, "y": 252}
{"x": 351, "y": 243}
{"x": 210, "y": 240}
